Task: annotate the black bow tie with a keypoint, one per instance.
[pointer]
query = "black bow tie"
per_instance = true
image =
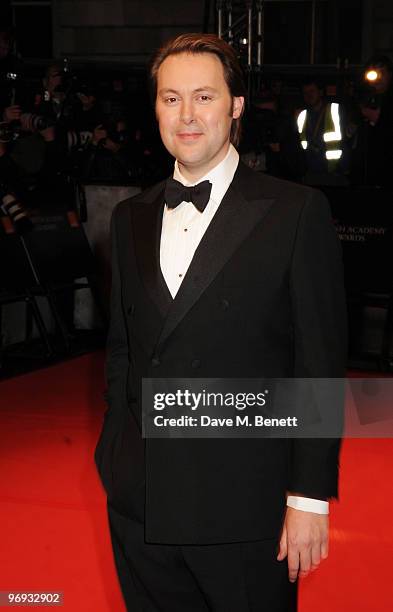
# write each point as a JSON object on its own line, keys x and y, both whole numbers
{"x": 199, "y": 195}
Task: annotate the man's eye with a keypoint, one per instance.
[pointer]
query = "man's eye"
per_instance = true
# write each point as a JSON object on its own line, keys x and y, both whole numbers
{"x": 204, "y": 98}
{"x": 170, "y": 100}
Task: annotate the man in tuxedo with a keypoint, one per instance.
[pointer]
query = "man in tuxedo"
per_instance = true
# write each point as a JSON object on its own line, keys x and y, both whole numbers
{"x": 238, "y": 277}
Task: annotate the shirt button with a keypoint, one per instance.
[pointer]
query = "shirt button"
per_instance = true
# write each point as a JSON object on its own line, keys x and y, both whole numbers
{"x": 224, "y": 304}
{"x": 180, "y": 275}
{"x": 185, "y": 229}
{"x": 155, "y": 362}
{"x": 195, "y": 363}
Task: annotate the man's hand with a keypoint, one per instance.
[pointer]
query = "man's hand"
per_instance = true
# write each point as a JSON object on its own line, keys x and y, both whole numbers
{"x": 99, "y": 134}
{"x": 114, "y": 147}
{"x": 48, "y": 134}
{"x": 12, "y": 113}
{"x": 305, "y": 540}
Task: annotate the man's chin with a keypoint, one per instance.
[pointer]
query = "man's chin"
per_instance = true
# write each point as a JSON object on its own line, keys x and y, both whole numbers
{"x": 190, "y": 161}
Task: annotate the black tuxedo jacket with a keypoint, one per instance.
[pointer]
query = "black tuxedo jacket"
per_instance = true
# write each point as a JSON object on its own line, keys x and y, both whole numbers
{"x": 263, "y": 297}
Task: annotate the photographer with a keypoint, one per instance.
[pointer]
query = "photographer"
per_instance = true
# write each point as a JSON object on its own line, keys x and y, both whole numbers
{"x": 50, "y": 101}
{"x": 373, "y": 151}
{"x": 109, "y": 155}
{"x": 10, "y": 68}
{"x": 35, "y": 188}
{"x": 85, "y": 117}
{"x": 26, "y": 124}
{"x": 88, "y": 113}
{"x": 116, "y": 101}
{"x": 14, "y": 93}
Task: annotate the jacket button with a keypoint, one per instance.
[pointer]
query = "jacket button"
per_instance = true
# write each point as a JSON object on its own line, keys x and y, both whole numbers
{"x": 195, "y": 363}
{"x": 224, "y": 304}
{"x": 131, "y": 310}
{"x": 155, "y": 362}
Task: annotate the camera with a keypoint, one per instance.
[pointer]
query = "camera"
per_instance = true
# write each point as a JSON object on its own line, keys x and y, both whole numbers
{"x": 12, "y": 208}
{"x": 35, "y": 123}
{"x": 28, "y": 122}
{"x": 7, "y": 132}
{"x": 117, "y": 136}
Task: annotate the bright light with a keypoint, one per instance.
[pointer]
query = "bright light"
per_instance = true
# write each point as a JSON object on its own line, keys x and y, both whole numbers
{"x": 243, "y": 41}
{"x": 335, "y": 154}
{"x": 372, "y": 75}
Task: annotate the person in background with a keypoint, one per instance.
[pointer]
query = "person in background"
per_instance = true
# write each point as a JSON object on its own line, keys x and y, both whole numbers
{"x": 373, "y": 153}
{"x": 116, "y": 101}
{"x": 11, "y": 70}
{"x": 321, "y": 133}
{"x": 270, "y": 138}
{"x": 88, "y": 113}
{"x": 108, "y": 157}
{"x": 50, "y": 100}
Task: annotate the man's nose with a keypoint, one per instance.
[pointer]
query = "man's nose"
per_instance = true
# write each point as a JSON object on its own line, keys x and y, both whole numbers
{"x": 186, "y": 111}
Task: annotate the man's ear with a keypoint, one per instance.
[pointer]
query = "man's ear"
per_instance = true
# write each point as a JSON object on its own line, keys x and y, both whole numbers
{"x": 237, "y": 107}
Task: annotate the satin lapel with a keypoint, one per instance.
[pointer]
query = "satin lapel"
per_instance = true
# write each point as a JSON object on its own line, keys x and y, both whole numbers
{"x": 146, "y": 222}
{"x": 233, "y": 222}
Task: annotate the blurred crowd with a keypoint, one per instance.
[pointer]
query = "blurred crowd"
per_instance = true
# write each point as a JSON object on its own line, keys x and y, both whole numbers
{"x": 66, "y": 128}
{"x": 324, "y": 135}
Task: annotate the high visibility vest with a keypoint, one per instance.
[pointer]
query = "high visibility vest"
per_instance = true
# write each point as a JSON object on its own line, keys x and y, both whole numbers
{"x": 332, "y": 132}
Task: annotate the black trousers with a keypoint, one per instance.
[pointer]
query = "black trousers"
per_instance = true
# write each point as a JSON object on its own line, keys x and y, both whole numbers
{"x": 240, "y": 577}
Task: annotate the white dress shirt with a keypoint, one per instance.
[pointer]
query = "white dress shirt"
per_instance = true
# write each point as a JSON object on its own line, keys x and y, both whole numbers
{"x": 182, "y": 230}
{"x": 184, "y": 226}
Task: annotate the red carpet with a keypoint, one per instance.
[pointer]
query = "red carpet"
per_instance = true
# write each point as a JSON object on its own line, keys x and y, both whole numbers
{"x": 54, "y": 535}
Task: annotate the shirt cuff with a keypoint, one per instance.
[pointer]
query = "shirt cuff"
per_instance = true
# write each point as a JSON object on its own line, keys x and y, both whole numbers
{"x": 307, "y": 504}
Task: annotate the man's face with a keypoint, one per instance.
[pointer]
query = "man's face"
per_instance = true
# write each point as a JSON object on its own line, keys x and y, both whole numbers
{"x": 195, "y": 111}
{"x": 311, "y": 95}
{"x": 54, "y": 79}
{"x": 87, "y": 100}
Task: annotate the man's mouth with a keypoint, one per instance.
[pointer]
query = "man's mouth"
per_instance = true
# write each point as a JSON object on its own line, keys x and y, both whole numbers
{"x": 189, "y": 136}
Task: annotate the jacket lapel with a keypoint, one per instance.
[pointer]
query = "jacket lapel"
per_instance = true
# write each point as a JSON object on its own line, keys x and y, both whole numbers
{"x": 235, "y": 219}
{"x": 146, "y": 223}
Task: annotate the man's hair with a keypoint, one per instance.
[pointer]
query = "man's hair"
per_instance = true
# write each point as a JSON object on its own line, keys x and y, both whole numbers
{"x": 313, "y": 81}
{"x": 205, "y": 43}
{"x": 53, "y": 66}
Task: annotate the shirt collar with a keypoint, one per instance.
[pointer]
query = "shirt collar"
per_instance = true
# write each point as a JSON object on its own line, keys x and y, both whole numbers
{"x": 220, "y": 176}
